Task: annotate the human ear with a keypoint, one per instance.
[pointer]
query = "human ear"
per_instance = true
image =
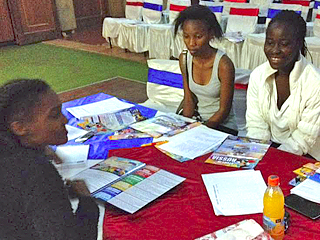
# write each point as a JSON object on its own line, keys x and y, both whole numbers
{"x": 18, "y": 128}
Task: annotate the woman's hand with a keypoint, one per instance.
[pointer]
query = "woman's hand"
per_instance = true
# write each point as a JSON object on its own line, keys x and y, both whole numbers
{"x": 77, "y": 188}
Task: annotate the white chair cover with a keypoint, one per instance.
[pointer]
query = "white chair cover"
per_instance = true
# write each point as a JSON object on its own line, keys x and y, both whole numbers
{"x": 134, "y": 9}
{"x": 305, "y": 6}
{"x": 263, "y": 6}
{"x": 161, "y": 95}
{"x": 215, "y": 7}
{"x": 242, "y": 20}
{"x": 176, "y": 6}
{"x": 178, "y": 45}
{"x": 134, "y": 37}
{"x": 160, "y": 41}
{"x": 316, "y": 5}
{"x": 228, "y": 5}
{"x": 316, "y": 24}
{"x": 152, "y": 11}
{"x": 275, "y": 8}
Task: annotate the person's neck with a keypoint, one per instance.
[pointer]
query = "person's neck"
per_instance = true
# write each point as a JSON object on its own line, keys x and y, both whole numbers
{"x": 206, "y": 56}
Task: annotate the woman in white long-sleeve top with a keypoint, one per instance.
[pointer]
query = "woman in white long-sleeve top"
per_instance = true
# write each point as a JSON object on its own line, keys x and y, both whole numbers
{"x": 283, "y": 99}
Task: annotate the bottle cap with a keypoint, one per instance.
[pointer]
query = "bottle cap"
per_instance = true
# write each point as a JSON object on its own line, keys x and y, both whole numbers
{"x": 273, "y": 180}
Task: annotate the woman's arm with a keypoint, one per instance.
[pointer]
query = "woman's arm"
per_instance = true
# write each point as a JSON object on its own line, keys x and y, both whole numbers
{"x": 188, "y": 103}
{"x": 226, "y": 75}
{"x": 304, "y": 137}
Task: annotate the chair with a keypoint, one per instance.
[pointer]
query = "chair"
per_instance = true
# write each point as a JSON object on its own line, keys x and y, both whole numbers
{"x": 152, "y": 11}
{"x": 305, "y": 6}
{"x": 176, "y": 6}
{"x": 314, "y": 10}
{"x": 160, "y": 39}
{"x": 313, "y": 43}
{"x": 215, "y": 7}
{"x": 252, "y": 50}
{"x": 242, "y": 20}
{"x": 164, "y": 86}
{"x": 111, "y": 26}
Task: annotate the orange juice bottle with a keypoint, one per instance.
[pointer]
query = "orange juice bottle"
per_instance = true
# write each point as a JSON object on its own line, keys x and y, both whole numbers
{"x": 273, "y": 209}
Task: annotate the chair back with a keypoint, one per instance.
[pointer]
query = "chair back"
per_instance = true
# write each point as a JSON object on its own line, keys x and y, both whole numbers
{"x": 134, "y": 9}
{"x": 316, "y": 25}
{"x": 242, "y": 20}
{"x": 276, "y": 8}
{"x": 177, "y": 6}
{"x": 228, "y": 5}
{"x": 305, "y": 6}
{"x": 316, "y": 5}
{"x": 165, "y": 84}
{"x": 236, "y": 1}
{"x": 152, "y": 11}
{"x": 215, "y": 7}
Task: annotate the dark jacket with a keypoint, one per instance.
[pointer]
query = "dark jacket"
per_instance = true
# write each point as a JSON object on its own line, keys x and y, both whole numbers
{"x": 34, "y": 202}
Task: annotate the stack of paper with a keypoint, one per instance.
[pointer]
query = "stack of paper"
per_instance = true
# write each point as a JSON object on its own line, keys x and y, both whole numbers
{"x": 235, "y": 193}
{"x": 194, "y": 142}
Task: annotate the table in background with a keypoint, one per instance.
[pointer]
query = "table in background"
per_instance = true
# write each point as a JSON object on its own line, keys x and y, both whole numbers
{"x": 186, "y": 212}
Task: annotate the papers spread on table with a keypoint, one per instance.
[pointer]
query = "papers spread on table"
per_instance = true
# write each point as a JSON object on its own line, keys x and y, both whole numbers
{"x": 308, "y": 189}
{"x": 194, "y": 142}
{"x": 127, "y": 184}
{"x": 246, "y": 229}
{"x": 106, "y": 106}
{"x": 236, "y": 192}
{"x": 239, "y": 152}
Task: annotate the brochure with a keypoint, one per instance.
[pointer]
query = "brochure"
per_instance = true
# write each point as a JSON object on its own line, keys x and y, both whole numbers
{"x": 127, "y": 184}
{"x": 110, "y": 122}
{"x": 167, "y": 125}
{"x": 239, "y": 152}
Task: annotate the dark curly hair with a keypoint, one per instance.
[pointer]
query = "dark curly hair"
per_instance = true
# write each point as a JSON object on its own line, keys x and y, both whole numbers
{"x": 295, "y": 22}
{"x": 18, "y": 98}
{"x": 201, "y": 13}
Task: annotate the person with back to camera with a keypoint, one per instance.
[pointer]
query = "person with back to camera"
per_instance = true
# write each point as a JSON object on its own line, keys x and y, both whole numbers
{"x": 209, "y": 80}
{"x": 34, "y": 202}
{"x": 283, "y": 98}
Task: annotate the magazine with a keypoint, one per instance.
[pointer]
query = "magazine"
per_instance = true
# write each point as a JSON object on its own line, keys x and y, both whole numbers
{"x": 110, "y": 122}
{"x": 164, "y": 125}
{"x": 127, "y": 184}
{"x": 239, "y": 152}
{"x": 128, "y": 133}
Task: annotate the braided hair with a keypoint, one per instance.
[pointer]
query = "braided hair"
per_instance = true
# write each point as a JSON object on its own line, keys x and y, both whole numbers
{"x": 295, "y": 22}
{"x": 201, "y": 13}
{"x": 17, "y": 100}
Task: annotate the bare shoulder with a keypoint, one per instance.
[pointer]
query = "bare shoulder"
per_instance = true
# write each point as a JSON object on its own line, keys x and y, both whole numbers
{"x": 226, "y": 64}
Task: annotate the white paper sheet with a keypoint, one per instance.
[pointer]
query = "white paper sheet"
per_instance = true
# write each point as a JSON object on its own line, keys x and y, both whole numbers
{"x": 74, "y": 132}
{"x": 308, "y": 189}
{"x": 106, "y": 106}
{"x": 73, "y": 155}
{"x": 235, "y": 193}
{"x": 194, "y": 142}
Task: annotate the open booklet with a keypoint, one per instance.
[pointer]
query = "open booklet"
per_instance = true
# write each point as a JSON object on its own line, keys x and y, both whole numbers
{"x": 168, "y": 124}
{"x": 239, "y": 152}
{"x": 127, "y": 184}
{"x": 110, "y": 122}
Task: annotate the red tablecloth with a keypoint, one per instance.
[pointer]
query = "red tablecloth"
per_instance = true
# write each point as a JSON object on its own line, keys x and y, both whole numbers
{"x": 186, "y": 212}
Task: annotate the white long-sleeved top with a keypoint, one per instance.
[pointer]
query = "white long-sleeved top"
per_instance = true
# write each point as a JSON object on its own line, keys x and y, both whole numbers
{"x": 302, "y": 113}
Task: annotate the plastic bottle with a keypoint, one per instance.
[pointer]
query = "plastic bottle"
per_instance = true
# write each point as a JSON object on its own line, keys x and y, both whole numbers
{"x": 273, "y": 209}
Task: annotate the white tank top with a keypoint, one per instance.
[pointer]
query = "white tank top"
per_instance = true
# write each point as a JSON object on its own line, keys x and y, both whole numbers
{"x": 209, "y": 95}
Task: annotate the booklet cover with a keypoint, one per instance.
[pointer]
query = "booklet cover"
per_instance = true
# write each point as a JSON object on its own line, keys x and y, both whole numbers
{"x": 127, "y": 184}
{"x": 239, "y": 152}
{"x": 168, "y": 125}
{"x": 110, "y": 122}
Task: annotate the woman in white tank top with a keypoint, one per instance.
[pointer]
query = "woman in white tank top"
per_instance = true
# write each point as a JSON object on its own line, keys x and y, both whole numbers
{"x": 210, "y": 73}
